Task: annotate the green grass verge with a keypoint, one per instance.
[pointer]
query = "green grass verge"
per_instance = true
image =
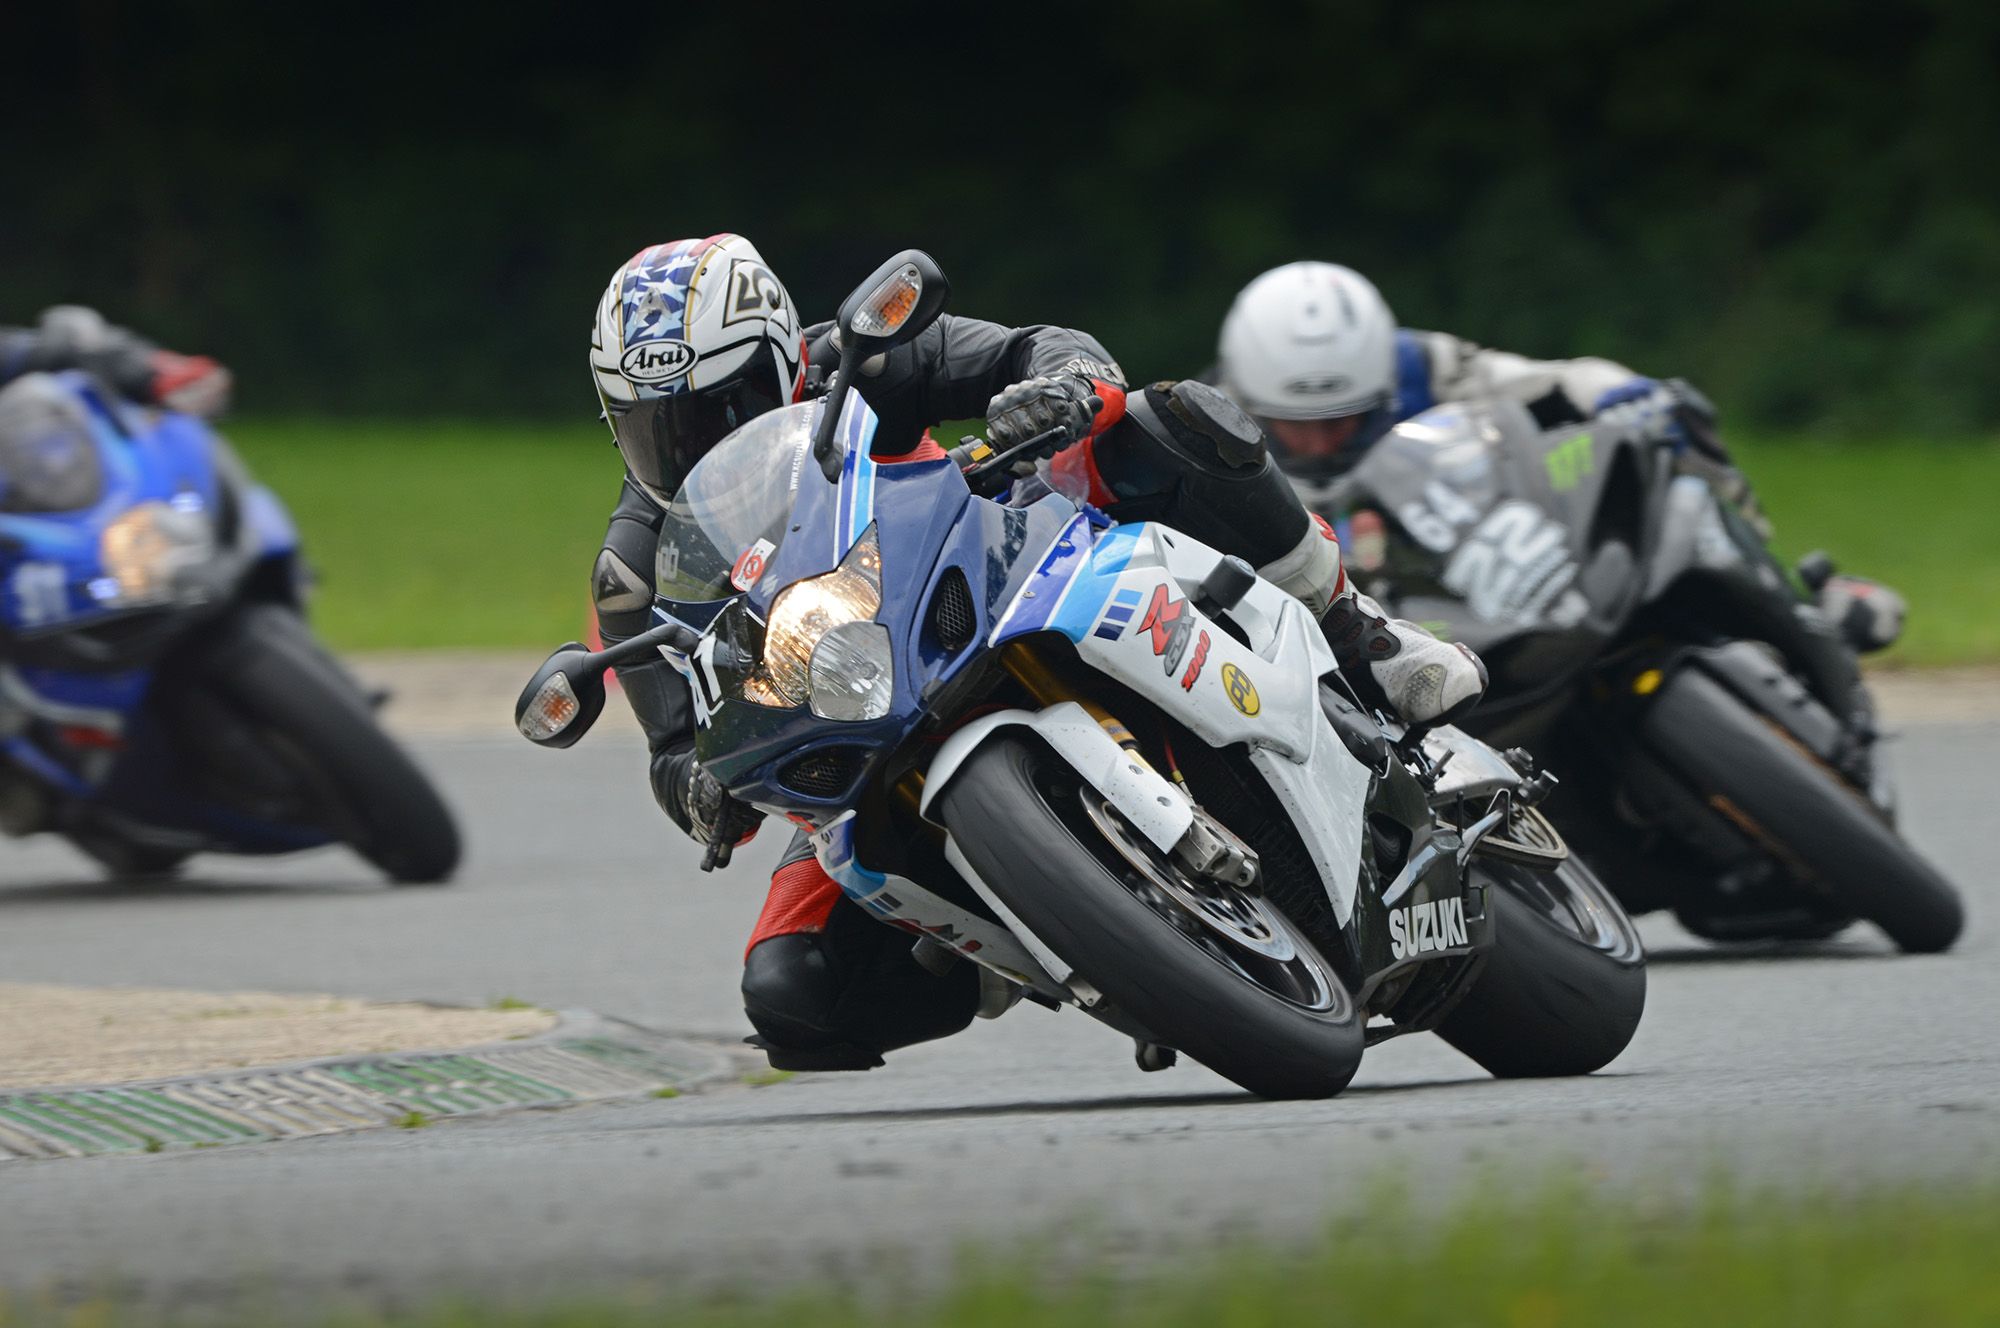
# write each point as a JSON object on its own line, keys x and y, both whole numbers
{"x": 1920, "y": 516}
{"x": 1903, "y": 1257}
{"x": 446, "y": 534}
{"x": 474, "y": 535}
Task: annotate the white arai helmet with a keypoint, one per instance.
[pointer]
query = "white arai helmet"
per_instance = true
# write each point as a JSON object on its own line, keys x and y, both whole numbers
{"x": 1310, "y": 350}
{"x": 692, "y": 339}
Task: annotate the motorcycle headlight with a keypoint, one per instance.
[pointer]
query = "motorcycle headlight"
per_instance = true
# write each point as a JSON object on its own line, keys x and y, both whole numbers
{"x": 804, "y": 613}
{"x": 146, "y": 550}
{"x": 852, "y": 675}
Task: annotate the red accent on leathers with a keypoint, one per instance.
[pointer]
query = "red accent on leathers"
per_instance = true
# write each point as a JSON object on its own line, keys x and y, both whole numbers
{"x": 194, "y": 384}
{"x": 1326, "y": 531}
{"x": 801, "y": 899}
{"x": 1113, "y": 409}
{"x": 1077, "y": 466}
{"x": 927, "y": 449}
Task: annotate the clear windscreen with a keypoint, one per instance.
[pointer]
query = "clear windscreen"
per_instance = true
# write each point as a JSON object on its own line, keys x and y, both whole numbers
{"x": 729, "y": 516}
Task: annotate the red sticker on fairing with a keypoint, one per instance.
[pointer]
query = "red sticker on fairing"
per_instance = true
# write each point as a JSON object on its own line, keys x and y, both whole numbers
{"x": 750, "y": 564}
{"x": 1167, "y": 620}
{"x": 1173, "y": 630}
{"x": 1194, "y": 665}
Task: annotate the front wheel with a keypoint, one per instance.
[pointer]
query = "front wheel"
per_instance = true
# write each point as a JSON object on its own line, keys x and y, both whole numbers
{"x": 1564, "y": 984}
{"x": 331, "y": 763}
{"x": 1218, "y": 973}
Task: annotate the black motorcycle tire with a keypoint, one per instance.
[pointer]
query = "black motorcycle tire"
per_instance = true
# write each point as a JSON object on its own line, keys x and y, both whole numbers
{"x": 124, "y": 860}
{"x": 263, "y": 664}
{"x": 1814, "y": 817}
{"x": 1068, "y": 891}
{"x": 1563, "y": 987}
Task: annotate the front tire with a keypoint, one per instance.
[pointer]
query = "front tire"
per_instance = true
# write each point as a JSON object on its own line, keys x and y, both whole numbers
{"x": 1563, "y": 987}
{"x": 264, "y": 665}
{"x": 1788, "y": 799}
{"x": 1017, "y": 814}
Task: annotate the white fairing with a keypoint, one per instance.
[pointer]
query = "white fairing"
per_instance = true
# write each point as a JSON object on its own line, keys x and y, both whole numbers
{"x": 1290, "y": 742}
{"x": 1265, "y": 695}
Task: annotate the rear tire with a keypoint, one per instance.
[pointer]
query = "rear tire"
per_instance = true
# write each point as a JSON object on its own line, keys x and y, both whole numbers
{"x": 1737, "y": 760}
{"x": 263, "y": 664}
{"x": 1015, "y": 812}
{"x": 1564, "y": 984}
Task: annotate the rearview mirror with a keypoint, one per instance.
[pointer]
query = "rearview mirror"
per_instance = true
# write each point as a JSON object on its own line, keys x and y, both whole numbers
{"x": 898, "y": 300}
{"x": 563, "y": 699}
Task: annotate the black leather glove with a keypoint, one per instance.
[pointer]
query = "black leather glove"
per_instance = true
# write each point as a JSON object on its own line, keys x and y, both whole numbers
{"x": 1066, "y": 402}
{"x": 715, "y": 818}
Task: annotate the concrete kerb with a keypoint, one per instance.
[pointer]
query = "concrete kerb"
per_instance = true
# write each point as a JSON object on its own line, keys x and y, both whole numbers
{"x": 584, "y": 1058}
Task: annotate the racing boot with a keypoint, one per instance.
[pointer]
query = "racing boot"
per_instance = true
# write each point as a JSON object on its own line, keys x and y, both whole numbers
{"x": 1423, "y": 680}
{"x": 1408, "y": 671}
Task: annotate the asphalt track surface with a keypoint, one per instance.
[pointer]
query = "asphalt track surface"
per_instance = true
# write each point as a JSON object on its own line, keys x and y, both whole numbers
{"x": 1840, "y": 1062}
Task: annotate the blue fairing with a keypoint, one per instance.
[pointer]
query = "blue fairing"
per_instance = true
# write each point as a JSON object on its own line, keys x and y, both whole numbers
{"x": 928, "y": 523}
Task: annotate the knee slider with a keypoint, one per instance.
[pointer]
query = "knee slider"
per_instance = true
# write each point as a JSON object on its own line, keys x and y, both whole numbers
{"x": 1203, "y": 426}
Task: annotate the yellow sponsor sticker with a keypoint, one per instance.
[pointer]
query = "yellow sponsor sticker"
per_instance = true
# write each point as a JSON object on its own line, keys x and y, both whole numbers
{"x": 1242, "y": 692}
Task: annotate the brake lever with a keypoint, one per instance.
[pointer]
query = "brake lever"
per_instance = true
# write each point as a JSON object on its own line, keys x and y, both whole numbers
{"x": 976, "y": 473}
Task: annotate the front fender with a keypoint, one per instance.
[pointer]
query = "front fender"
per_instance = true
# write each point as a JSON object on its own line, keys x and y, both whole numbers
{"x": 1153, "y": 806}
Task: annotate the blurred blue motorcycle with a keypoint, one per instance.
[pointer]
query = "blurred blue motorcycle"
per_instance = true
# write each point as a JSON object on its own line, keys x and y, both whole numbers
{"x": 160, "y": 692}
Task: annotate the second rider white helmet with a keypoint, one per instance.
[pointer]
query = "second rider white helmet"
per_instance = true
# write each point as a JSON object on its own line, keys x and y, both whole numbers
{"x": 1309, "y": 341}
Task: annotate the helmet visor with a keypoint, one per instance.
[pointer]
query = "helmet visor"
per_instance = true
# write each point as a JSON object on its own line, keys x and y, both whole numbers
{"x": 661, "y": 438}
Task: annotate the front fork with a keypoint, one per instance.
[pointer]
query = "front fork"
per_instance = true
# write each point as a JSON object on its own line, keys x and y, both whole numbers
{"x": 1209, "y": 850}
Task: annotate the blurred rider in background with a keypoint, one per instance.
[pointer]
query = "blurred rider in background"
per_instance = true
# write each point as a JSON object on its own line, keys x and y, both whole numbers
{"x": 1312, "y": 351}
{"x": 694, "y": 338}
{"x": 70, "y": 336}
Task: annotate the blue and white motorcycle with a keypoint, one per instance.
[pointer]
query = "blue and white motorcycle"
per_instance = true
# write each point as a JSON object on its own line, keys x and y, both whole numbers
{"x": 160, "y": 692}
{"x": 1106, "y": 762}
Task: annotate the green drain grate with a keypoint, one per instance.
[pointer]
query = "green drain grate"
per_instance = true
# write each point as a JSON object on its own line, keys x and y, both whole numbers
{"x": 586, "y": 1058}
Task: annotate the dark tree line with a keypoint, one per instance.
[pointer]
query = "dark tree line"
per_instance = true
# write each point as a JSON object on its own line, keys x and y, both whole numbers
{"x": 410, "y": 209}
